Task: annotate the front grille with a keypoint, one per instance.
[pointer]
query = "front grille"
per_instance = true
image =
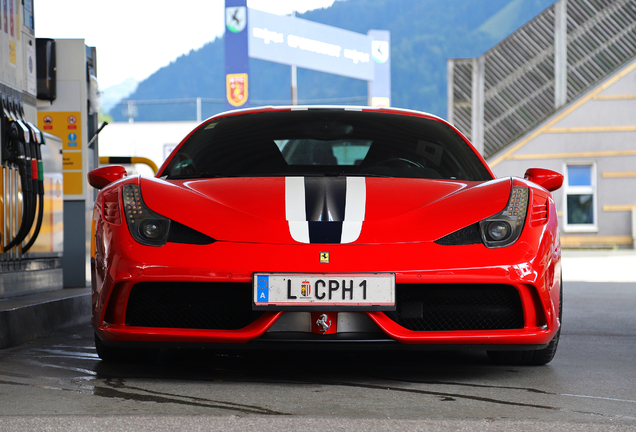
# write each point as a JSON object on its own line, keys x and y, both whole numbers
{"x": 444, "y": 307}
{"x": 466, "y": 236}
{"x": 192, "y": 305}
{"x": 184, "y": 234}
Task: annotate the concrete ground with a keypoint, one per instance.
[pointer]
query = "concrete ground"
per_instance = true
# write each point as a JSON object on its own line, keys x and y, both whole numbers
{"x": 57, "y": 383}
{"x": 599, "y": 265}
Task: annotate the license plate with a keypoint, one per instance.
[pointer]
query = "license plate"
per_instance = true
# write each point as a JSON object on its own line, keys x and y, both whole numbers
{"x": 362, "y": 291}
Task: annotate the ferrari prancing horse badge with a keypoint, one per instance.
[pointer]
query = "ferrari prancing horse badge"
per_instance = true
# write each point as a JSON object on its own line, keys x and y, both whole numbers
{"x": 324, "y": 257}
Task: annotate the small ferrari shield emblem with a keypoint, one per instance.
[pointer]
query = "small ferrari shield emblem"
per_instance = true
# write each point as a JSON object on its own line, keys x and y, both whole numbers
{"x": 324, "y": 257}
{"x": 305, "y": 289}
{"x": 236, "y": 89}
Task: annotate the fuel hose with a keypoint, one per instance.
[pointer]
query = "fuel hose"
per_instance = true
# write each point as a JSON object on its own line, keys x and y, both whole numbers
{"x": 39, "y": 176}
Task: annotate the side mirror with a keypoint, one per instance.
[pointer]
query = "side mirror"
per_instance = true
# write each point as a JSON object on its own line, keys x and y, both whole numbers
{"x": 551, "y": 180}
{"x": 102, "y": 177}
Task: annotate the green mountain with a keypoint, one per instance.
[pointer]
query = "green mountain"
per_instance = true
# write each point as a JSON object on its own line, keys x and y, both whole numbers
{"x": 424, "y": 33}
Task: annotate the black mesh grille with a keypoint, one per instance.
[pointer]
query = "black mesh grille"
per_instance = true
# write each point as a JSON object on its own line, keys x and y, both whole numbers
{"x": 182, "y": 234}
{"x": 443, "y": 307}
{"x": 194, "y": 305}
{"x": 465, "y": 236}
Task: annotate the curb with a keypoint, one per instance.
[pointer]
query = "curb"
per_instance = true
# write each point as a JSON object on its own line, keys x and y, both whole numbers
{"x": 30, "y": 317}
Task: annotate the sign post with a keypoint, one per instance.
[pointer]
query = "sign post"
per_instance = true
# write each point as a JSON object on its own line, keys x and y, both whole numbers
{"x": 236, "y": 55}
{"x": 380, "y": 87}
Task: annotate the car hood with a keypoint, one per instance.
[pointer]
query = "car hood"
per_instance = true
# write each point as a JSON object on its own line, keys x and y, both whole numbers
{"x": 288, "y": 210}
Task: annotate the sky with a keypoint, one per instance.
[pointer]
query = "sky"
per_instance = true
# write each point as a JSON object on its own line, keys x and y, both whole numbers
{"x": 135, "y": 38}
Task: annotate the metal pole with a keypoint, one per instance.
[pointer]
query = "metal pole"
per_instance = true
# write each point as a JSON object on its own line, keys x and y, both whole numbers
{"x": 294, "y": 86}
{"x": 131, "y": 111}
{"x": 5, "y": 215}
{"x": 18, "y": 209}
{"x": 198, "y": 110}
{"x": 294, "y": 78}
{"x": 10, "y": 198}
{"x": 12, "y": 206}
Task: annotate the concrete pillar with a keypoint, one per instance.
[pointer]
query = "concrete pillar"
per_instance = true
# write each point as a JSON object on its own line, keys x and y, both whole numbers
{"x": 634, "y": 227}
{"x": 450, "y": 94}
{"x": 560, "y": 53}
{"x": 477, "y": 120}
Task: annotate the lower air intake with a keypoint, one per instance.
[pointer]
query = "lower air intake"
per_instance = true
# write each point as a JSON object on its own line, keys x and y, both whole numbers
{"x": 445, "y": 307}
{"x": 191, "y": 305}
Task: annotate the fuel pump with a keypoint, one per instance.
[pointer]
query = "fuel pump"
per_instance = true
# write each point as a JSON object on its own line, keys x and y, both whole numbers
{"x": 34, "y": 184}
{"x": 16, "y": 154}
{"x": 13, "y": 159}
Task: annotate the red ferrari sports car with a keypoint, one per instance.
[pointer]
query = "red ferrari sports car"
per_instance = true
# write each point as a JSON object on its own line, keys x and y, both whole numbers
{"x": 327, "y": 227}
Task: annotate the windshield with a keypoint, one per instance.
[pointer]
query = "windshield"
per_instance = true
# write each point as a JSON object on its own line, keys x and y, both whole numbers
{"x": 326, "y": 142}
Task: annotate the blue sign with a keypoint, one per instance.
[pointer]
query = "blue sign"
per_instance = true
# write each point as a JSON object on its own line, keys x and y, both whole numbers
{"x": 306, "y": 44}
{"x": 262, "y": 288}
{"x": 236, "y": 56}
{"x": 72, "y": 137}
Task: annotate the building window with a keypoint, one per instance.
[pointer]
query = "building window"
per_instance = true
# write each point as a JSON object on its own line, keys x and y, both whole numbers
{"x": 580, "y": 198}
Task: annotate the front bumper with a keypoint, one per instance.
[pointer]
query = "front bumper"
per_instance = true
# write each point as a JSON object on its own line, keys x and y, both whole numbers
{"x": 531, "y": 275}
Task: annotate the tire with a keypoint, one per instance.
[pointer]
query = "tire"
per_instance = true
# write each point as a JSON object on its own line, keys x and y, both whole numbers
{"x": 532, "y": 357}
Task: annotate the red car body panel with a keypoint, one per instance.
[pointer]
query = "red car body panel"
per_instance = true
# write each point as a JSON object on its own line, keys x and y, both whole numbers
{"x": 403, "y": 219}
{"x": 398, "y": 210}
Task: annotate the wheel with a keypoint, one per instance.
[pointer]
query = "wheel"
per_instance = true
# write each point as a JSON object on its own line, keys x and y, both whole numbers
{"x": 545, "y": 356}
{"x": 108, "y": 354}
{"x": 532, "y": 357}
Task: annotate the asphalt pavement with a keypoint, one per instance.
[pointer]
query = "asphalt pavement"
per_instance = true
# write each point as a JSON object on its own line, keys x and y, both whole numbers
{"x": 58, "y": 383}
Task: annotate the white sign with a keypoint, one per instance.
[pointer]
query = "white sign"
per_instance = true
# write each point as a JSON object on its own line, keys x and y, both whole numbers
{"x": 310, "y": 45}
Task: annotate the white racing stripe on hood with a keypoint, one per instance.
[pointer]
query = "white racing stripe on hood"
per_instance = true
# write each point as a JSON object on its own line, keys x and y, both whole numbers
{"x": 296, "y": 213}
{"x": 355, "y": 205}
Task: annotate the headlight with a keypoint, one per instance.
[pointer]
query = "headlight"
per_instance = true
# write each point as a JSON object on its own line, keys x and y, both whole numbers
{"x": 504, "y": 229}
{"x": 499, "y": 230}
{"x": 152, "y": 229}
{"x": 146, "y": 226}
